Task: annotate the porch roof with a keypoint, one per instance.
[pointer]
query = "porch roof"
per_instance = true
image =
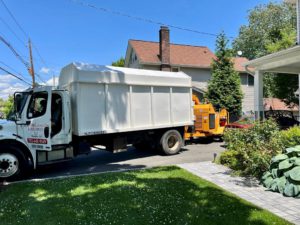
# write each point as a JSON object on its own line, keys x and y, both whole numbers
{"x": 285, "y": 61}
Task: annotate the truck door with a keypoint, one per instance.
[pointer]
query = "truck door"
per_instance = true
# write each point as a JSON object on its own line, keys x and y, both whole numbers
{"x": 38, "y": 117}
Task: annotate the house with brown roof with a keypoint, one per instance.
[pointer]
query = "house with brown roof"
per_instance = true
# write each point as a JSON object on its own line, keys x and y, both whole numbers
{"x": 195, "y": 61}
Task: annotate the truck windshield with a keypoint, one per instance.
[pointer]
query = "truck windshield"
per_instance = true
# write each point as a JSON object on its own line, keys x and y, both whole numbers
{"x": 19, "y": 103}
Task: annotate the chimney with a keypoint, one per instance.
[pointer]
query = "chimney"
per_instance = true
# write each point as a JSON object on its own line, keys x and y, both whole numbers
{"x": 164, "y": 48}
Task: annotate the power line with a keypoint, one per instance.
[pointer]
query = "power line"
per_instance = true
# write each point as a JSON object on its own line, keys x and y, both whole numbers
{"x": 19, "y": 78}
{"x": 12, "y": 16}
{"x": 15, "y": 52}
{"x": 40, "y": 56}
{"x": 23, "y": 31}
{"x": 118, "y": 13}
{"x": 12, "y": 31}
{"x": 20, "y": 58}
{"x": 23, "y": 56}
{"x": 40, "y": 78}
{"x": 9, "y": 67}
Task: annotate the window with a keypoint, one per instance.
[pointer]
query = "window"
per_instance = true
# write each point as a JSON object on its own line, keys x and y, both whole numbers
{"x": 244, "y": 79}
{"x": 133, "y": 57}
{"x": 247, "y": 79}
{"x": 250, "y": 80}
{"x": 37, "y": 105}
{"x": 56, "y": 114}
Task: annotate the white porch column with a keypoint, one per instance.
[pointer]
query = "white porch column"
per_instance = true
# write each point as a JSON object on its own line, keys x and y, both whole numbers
{"x": 258, "y": 95}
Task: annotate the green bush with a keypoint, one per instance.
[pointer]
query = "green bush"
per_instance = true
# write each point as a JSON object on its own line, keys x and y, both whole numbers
{"x": 290, "y": 137}
{"x": 231, "y": 158}
{"x": 249, "y": 151}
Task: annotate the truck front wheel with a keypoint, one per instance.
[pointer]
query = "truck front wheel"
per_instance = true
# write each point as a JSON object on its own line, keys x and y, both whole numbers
{"x": 171, "y": 142}
{"x": 13, "y": 163}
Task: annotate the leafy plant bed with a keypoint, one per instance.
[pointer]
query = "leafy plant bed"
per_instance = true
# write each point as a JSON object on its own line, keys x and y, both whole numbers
{"x": 284, "y": 173}
{"x": 164, "y": 195}
{"x": 249, "y": 151}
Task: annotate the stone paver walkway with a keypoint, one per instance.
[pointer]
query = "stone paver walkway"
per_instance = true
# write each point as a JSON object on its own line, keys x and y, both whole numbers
{"x": 248, "y": 189}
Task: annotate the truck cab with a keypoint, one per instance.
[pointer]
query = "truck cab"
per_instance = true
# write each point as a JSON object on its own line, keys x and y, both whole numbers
{"x": 37, "y": 132}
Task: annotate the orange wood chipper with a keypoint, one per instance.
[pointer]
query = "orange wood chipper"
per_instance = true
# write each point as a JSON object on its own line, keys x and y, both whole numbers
{"x": 207, "y": 122}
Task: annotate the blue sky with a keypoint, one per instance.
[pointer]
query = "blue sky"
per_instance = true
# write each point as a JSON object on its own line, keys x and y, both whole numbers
{"x": 64, "y": 31}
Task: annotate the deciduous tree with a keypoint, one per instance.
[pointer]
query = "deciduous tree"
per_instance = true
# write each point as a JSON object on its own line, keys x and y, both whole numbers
{"x": 8, "y": 106}
{"x": 271, "y": 28}
{"x": 120, "y": 62}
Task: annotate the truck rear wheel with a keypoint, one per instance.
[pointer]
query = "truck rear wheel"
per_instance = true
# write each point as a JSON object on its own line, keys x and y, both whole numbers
{"x": 13, "y": 163}
{"x": 171, "y": 142}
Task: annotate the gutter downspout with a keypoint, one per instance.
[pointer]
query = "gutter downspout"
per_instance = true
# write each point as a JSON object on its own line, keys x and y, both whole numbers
{"x": 249, "y": 71}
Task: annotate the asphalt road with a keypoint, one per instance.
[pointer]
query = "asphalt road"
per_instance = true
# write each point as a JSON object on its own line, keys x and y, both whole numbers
{"x": 102, "y": 161}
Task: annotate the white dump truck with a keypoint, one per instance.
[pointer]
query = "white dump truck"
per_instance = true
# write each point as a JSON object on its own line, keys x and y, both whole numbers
{"x": 95, "y": 105}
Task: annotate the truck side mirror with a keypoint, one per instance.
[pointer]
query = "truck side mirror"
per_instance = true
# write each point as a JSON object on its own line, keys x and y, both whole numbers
{"x": 17, "y": 106}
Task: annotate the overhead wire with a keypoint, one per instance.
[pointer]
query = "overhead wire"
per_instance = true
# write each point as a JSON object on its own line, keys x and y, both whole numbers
{"x": 9, "y": 67}
{"x": 118, "y": 13}
{"x": 27, "y": 36}
{"x": 12, "y": 31}
{"x": 17, "y": 77}
{"x": 15, "y": 52}
{"x": 13, "y": 17}
{"x": 20, "y": 58}
{"x": 39, "y": 76}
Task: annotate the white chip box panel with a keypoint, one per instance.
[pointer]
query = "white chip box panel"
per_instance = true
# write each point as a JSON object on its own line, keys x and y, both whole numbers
{"x": 108, "y": 99}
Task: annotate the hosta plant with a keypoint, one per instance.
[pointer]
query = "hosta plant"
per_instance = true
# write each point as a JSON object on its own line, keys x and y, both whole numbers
{"x": 284, "y": 173}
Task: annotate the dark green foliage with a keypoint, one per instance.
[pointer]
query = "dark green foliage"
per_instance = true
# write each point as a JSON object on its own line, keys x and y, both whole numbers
{"x": 224, "y": 88}
{"x": 249, "y": 151}
{"x": 285, "y": 87}
{"x": 271, "y": 28}
{"x": 119, "y": 63}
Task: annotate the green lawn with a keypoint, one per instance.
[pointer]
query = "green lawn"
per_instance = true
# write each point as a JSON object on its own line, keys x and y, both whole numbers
{"x": 164, "y": 195}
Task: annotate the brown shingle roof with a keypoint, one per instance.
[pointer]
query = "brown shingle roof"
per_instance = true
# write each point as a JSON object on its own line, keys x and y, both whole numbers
{"x": 238, "y": 63}
{"x": 181, "y": 55}
{"x": 277, "y": 104}
{"x": 187, "y": 55}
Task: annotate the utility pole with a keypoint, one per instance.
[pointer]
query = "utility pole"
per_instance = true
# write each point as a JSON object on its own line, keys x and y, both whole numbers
{"x": 31, "y": 69}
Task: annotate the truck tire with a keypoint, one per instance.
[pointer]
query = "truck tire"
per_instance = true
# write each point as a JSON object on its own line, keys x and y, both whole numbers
{"x": 171, "y": 142}
{"x": 13, "y": 163}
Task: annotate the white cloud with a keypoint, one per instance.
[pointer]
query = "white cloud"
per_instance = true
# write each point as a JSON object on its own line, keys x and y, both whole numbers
{"x": 52, "y": 82}
{"x": 9, "y": 85}
{"x": 45, "y": 70}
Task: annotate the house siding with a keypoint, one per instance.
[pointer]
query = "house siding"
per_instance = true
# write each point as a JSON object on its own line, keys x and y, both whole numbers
{"x": 134, "y": 65}
{"x": 248, "y": 91}
{"x": 248, "y": 100}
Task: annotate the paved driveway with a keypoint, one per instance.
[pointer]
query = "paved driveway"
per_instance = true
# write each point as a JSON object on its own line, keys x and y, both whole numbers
{"x": 102, "y": 161}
